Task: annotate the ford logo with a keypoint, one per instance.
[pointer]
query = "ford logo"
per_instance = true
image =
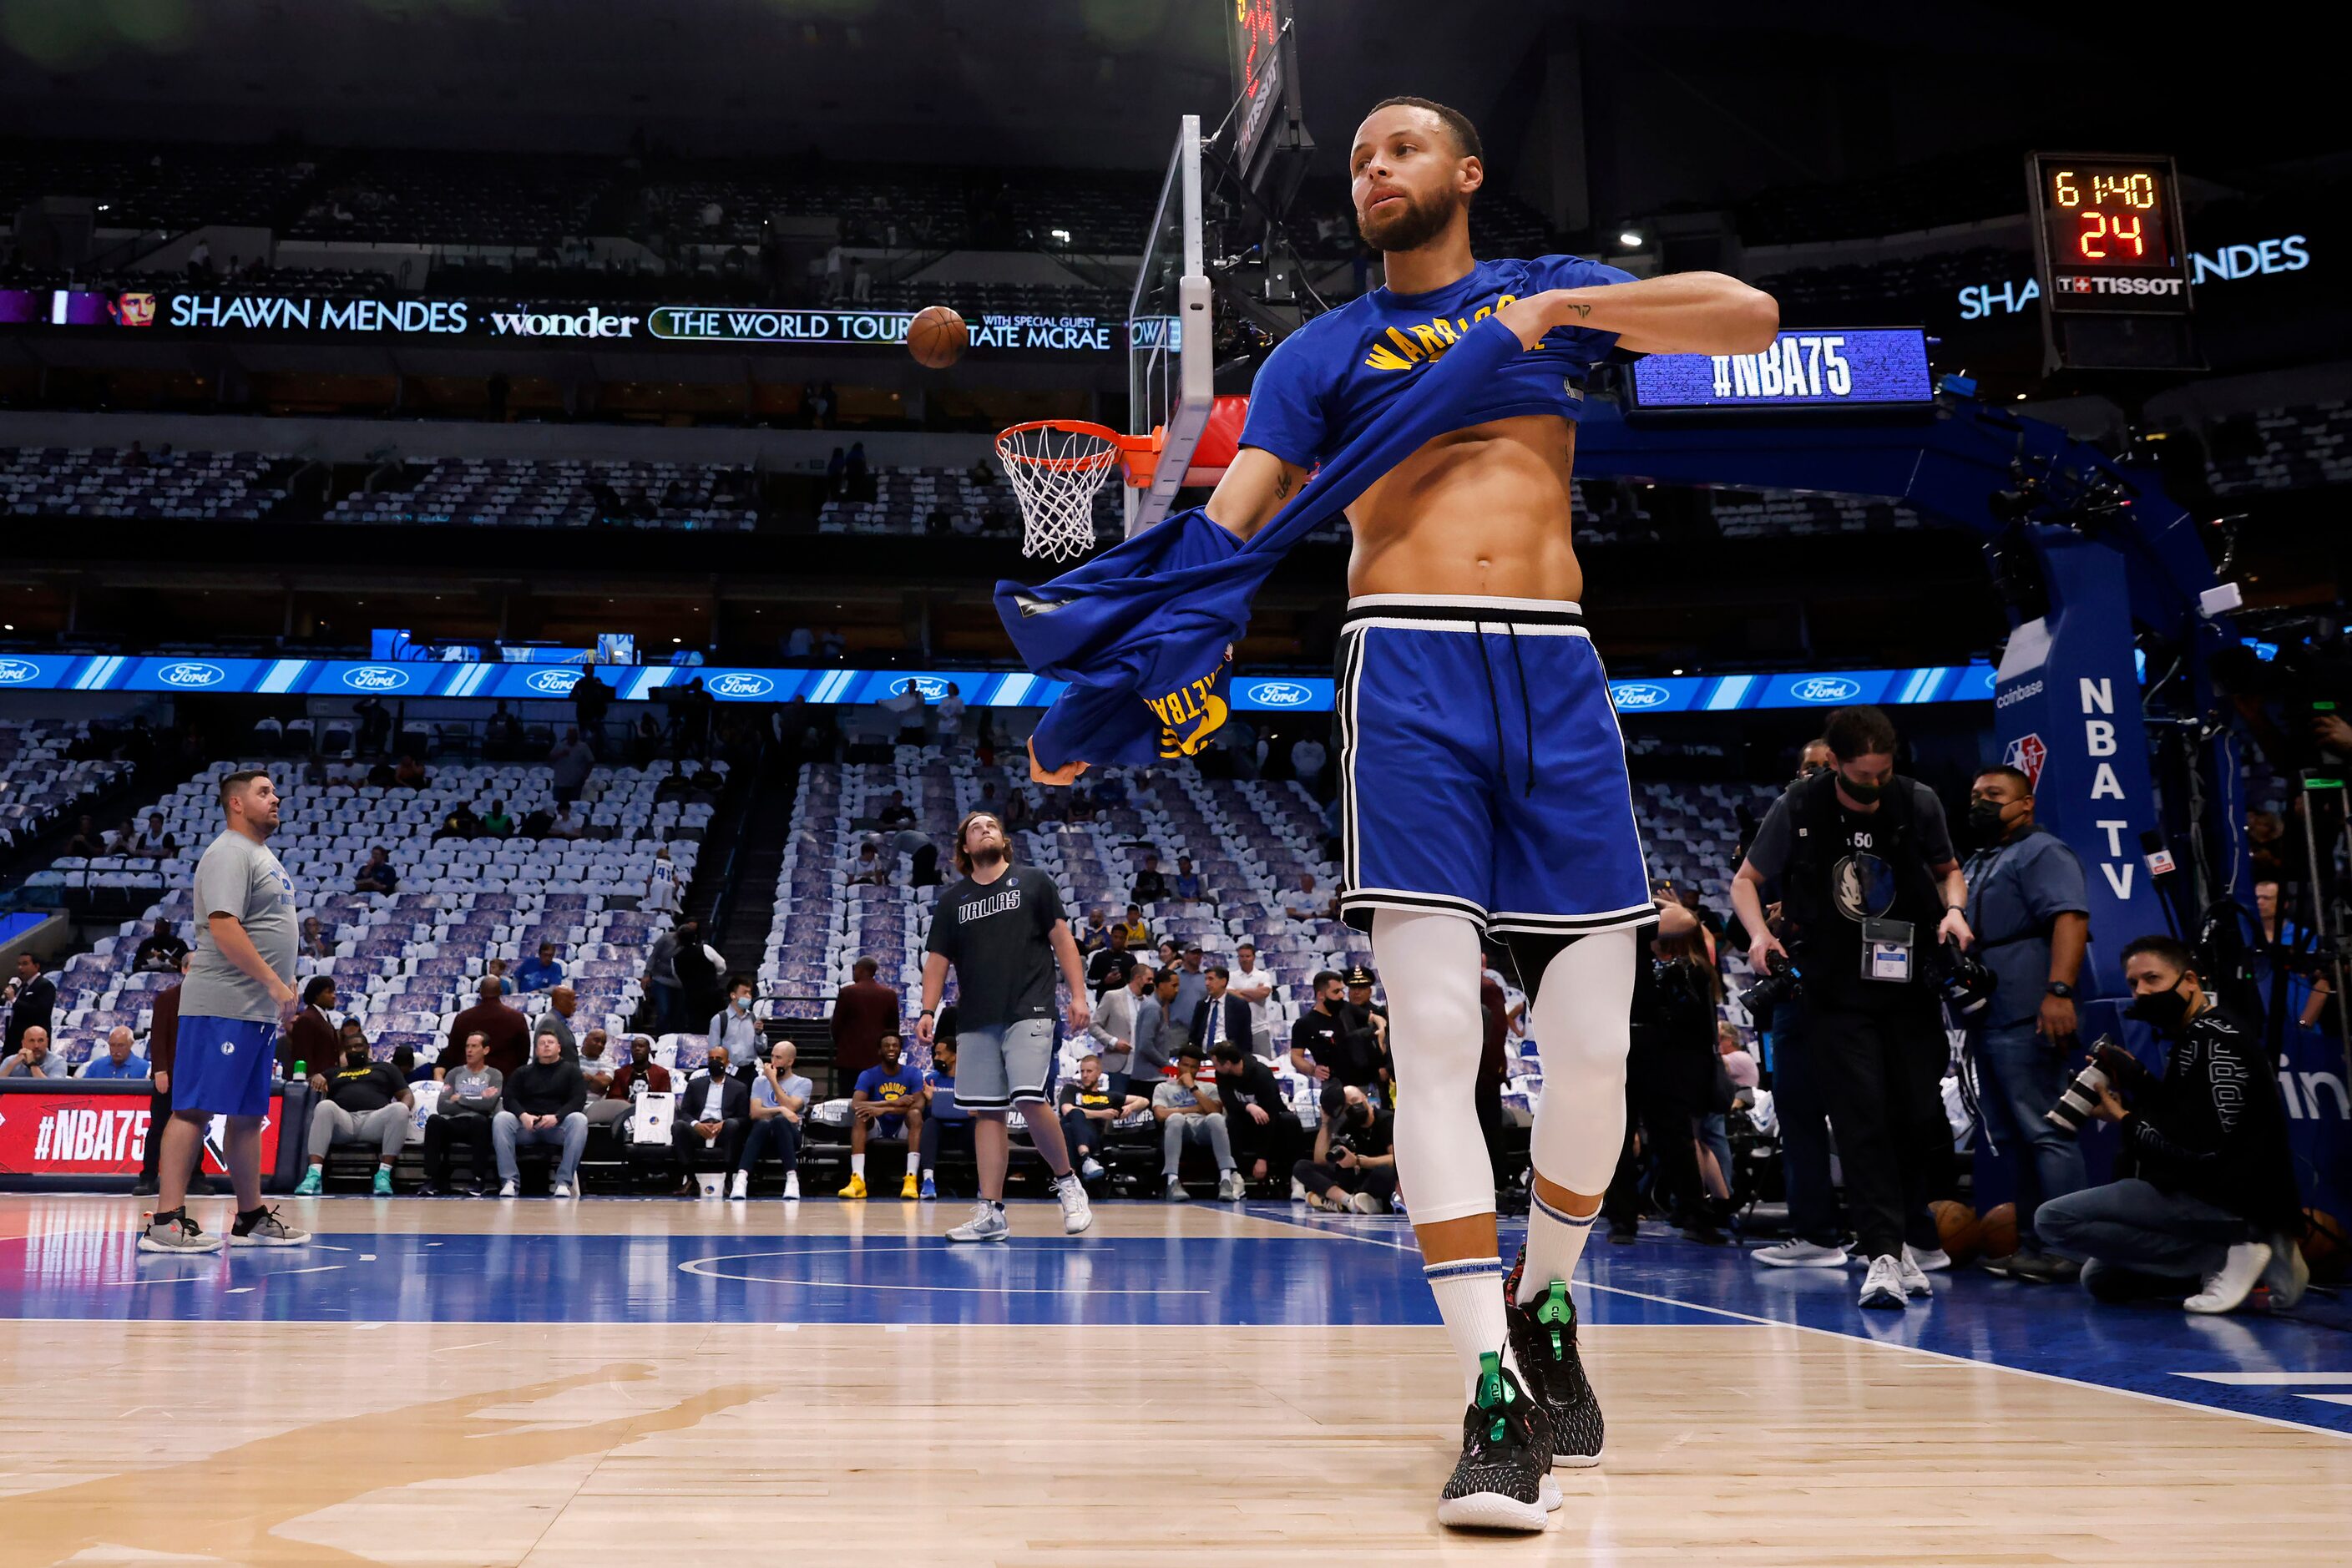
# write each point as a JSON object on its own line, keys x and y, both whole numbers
{"x": 740, "y": 686}
{"x": 1280, "y": 694}
{"x": 1638, "y": 694}
{"x": 191, "y": 675}
{"x": 1826, "y": 688}
{"x": 17, "y": 671}
{"x": 375, "y": 678}
{"x": 933, "y": 688}
{"x": 552, "y": 682}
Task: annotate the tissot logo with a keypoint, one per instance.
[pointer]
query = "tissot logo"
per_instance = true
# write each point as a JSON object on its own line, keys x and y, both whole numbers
{"x": 1279, "y": 694}
{"x": 191, "y": 675}
{"x": 553, "y": 682}
{"x": 740, "y": 686}
{"x": 375, "y": 678}
{"x": 1826, "y": 688}
{"x": 933, "y": 688}
{"x": 1638, "y": 694}
{"x": 18, "y": 671}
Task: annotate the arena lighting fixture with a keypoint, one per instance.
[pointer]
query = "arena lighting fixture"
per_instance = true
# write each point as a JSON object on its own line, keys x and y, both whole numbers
{"x": 1061, "y": 233}
{"x": 1630, "y": 238}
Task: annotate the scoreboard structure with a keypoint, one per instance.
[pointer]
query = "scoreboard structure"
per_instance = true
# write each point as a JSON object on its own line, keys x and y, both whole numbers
{"x": 2114, "y": 269}
{"x": 1266, "y": 116}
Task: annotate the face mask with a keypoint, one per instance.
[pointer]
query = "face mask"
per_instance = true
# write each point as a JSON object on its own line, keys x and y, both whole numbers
{"x": 1984, "y": 821}
{"x": 1861, "y": 794}
{"x": 356, "y": 1055}
{"x": 2164, "y": 1010}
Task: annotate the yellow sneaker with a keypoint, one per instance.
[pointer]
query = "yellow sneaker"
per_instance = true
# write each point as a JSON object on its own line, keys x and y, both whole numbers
{"x": 856, "y": 1188}
{"x": 906, "y": 1189}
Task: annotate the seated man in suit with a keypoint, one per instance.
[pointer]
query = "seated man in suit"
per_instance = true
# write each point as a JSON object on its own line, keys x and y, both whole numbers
{"x": 714, "y": 1115}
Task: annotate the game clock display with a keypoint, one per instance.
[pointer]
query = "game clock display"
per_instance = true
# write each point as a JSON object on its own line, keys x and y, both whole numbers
{"x": 2107, "y": 234}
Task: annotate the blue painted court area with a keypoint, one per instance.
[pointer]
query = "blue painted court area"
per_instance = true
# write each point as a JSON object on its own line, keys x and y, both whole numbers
{"x": 2293, "y": 1367}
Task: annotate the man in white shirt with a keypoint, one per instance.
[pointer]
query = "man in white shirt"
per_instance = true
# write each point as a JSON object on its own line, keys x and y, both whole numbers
{"x": 1254, "y": 985}
{"x": 566, "y": 824}
{"x": 733, "y": 1029}
{"x": 1307, "y": 759}
{"x": 661, "y": 885}
{"x": 951, "y": 715}
{"x": 713, "y": 1116}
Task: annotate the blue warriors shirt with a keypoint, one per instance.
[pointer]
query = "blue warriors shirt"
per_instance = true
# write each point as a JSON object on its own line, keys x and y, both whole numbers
{"x": 1329, "y": 380}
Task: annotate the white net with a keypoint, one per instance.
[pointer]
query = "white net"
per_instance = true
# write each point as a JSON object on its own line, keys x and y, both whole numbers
{"x": 1056, "y": 472}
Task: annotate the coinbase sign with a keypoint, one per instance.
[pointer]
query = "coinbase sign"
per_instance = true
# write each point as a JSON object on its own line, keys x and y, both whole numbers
{"x": 375, "y": 678}
{"x": 191, "y": 675}
{"x": 1279, "y": 694}
{"x": 552, "y": 682}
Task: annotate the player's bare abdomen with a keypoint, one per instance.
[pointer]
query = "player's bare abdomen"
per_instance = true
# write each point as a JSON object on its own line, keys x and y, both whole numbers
{"x": 1480, "y": 510}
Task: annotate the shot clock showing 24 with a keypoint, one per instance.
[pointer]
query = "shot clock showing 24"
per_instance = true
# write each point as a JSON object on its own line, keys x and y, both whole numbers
{"x": 2109, "y": 233}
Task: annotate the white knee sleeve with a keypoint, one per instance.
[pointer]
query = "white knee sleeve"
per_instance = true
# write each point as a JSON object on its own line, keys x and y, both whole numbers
{"x": 1582, "y": 1023}
{"x": 1430, "y": 964}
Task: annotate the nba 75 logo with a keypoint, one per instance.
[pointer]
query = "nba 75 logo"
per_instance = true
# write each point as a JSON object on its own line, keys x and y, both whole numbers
{"x": 2026, "y": 754}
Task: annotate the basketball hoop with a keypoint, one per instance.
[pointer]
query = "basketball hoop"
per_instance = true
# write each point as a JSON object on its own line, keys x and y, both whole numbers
{"x": 1055, "y": 466}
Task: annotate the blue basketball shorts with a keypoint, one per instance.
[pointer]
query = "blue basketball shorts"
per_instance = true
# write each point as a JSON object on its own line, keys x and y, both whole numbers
{"x": 1481, "y": 768}
{"x": 224, "y": 1065}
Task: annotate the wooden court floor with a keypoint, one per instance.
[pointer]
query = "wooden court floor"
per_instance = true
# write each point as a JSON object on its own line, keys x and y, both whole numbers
{"x": 627, "y": 1440}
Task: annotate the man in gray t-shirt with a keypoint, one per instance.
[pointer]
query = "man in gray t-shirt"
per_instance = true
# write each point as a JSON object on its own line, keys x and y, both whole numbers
{"x": 238, "y": 992}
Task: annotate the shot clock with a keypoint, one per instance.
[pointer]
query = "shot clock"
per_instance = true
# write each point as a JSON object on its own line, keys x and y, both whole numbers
{"x": 2107, "y": 234}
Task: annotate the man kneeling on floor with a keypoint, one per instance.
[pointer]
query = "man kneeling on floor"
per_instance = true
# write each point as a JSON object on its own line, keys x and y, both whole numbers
{"x": 1190, "y": 1112}
{"x": 2204, "y": 1208}
{"x": 1354, "y": 1165}
{"x": 363, "y": 1102}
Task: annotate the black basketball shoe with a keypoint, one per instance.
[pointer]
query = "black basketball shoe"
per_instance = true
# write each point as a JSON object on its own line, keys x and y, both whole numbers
{"x": 1543, "y": 1341}
{"x": 1503, "y": 1480}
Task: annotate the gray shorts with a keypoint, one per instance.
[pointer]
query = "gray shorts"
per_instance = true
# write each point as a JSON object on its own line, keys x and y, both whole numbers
{"x": 997, "y": 1069}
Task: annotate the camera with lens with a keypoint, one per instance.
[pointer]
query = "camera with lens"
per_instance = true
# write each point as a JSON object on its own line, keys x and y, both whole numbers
{"x": 1966, "y": 982}
{"x": 1783, "y": 984}
{"x": 2110, "y": 1064}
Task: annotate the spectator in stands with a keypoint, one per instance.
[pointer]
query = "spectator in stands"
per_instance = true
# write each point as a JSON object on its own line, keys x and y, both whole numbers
{"x": 1191, "y": 987}
{"x": 87, "y": 840}
{"x": 896, "y": 812}
{"x": 1364, "y": 1022}
{"x": 733, "y": 1029}
{"x": 861, "y": 486}
{"x": 377, "y": 876}
{"x": 906, "y": 707}
{"x": 1157, "y": 1031}
{"x": 495, "y": 968}
{"x": 661, "y": 989}
{"x": 1111, "y": 963}
{"x": 779, "y": 1102}
{"x": 1264, "y": 1133}
{"x": 544, "y": 1101}
{"x": 640, "y": 1074}
{"x": 1305, "y": 902}
{"x": 460, "y": 823}
{"x": 153, "y": 841}
{"x": 951, "y": 712}
{"x": 1090, "y": 1104}
{"x": 1150, "y": 884}
{"x": 403, "y": 1057}
{"x": 360, "y": 1102}
{"x": 565, "y": 824}
{"x": 562, "y": 1003}
{"x": 1095, "y": 936}
{"x": 888, "y": 1101}
{"x": 1354, "y": 1164}
{"x": 1307, "y": 760}
{"x": 375, "y": 725}
{"x": 861, "y": 282}
{"x": 540, "y": 971}
{"x": 501, "y": 735}
{"x": 1219, "y": 1015}
{"x": 469, "y": 1099}
{"x": 33, "y": 1058}
{"x": 410, "y": 774}
{"x": 597, "y": 1068}
{"x": 116, "y": 1060}
{"x": 1317, "y": 1048}
{"x": 698, "y": 967}
{"x": 1187, "y": 884}
{"x": 316, "y": 942}
{"x": 161, "y": 953}
{"x": 497, "y": 1023}
{"x": 570, "y": 761}
{"x": 864, "y": 1011}
{"x": 871, "y": 867}
{"x": 1816, "y": 758}
{"x": 1189, "y": 1112}
{"x": 943, "y": 1119}
{"x": 163, "y": 1046}
{"x": 312, "y": 1042}
{"x": 349, "y": 1036}
{"x": 499, "y": 822}
{"x": 2210, "y": 1208}
{"x": 661, "y": 885}
{"x": 713, "y": 1116}
{"x": 35, "y": 1000}
{"x": 1254, "y": 985}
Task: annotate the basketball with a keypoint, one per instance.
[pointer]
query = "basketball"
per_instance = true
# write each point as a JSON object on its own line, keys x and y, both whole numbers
{"x": 1957, "y": 1228}
{"x": 1998, "y": 1231}
{"x": 2323, "y": 1244}
{"x": 937, "y": 337}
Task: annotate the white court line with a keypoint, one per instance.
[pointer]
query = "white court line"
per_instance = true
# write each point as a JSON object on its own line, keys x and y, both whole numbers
{"x": 2273, "y": 1379}
{"x": 697, "y": 1267}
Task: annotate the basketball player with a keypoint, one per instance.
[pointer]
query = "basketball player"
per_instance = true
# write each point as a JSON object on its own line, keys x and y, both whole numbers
{"x": 1003, "y": 930}
{"x": 1482, "y": 775}
{"x": 239, "y": 991}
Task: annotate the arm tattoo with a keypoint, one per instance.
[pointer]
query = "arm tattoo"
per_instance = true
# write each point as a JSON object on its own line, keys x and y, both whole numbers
{"x": 1583, "y": 312}
{"x": 1281, "y": 484}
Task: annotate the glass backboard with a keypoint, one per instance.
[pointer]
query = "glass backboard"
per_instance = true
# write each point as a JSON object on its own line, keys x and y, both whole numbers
{"x": 1170, "y": 363}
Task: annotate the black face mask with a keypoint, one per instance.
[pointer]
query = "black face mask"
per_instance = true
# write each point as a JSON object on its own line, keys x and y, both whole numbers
{"x": 2165, "y": 1010}
{"x": 356, "y": 1055}
{"x": 1985, "y": 822}
{"x": 1861, "y": 794}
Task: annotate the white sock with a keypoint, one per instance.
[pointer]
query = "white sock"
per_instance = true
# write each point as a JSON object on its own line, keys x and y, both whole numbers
{"x": 1555, "y": 1241}
{"x": 857, "y": 1166}
{"x": 928, "y": 1173}
{"x": 1469, "y": 1294}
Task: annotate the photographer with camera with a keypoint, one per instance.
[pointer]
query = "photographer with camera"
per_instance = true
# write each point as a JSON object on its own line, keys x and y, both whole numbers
{"x": 1869, "y": 886}
{"x": 2030, "y": 909}
{"x": 2204, "y": 1207}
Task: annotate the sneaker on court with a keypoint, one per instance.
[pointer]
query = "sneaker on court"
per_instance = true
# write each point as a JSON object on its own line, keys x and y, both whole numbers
{"x": 264, "y": 1229}
{"x": 1077, "y": 1214}
{"x": 930, "y": 1189}
{"x": 1543, "y": 1343}
{"x": 987, "y": 1223}
{"x": 1229, "y": 1188}
{"x": 1367, "y": 1202}
{"x": 1914, "y": 1274}
{"x": 1883, "y": 1286}
{"x": 383, "y": 1183}
{"x": 791, "y": 1186}
{"x": 1090, "y": 1169}
{"x": 1176, "y": 1192}
{"x": 911, "y": 1187}
{"x": 2228, "y": 1286}
{"x": 312, "y": 1179}
{"x": 2288, "y": 1275}
{"x": 509, "y": 1189}
{"x": 1798, "y": 1253}
{"x": 2039, "y": 1267}
{"x": 561, "y": 1190}
{"x": 1933, "y": 1259}
{"x": 175, "y": 1232}
{"x": 1503, "y": 1481}
{"x": 1297, "y": 1191}
{"x": 856, "y": 1188}
{"x": 741, "y": 1186}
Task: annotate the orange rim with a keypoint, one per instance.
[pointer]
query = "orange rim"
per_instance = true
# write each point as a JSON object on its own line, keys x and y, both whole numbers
{"x": 1138, "y": 455}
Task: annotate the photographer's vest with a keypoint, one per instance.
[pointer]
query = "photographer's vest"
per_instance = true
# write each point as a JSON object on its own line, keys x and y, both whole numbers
{"x": 1828, "y": 945}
